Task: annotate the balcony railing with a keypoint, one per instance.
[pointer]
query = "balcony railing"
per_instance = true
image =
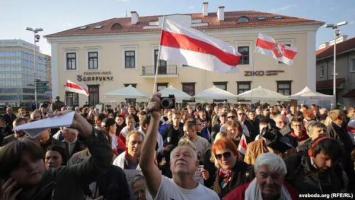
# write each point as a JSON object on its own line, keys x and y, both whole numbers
{"x": 165, "y": 70}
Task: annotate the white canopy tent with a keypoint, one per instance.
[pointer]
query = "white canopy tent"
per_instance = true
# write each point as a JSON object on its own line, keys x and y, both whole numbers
{"x": 214, "y": 93}
{"x": 128, "y": 92}
{"x": 262, "y": 94}
{"x": 309, "y": 97}
{"x": 179, "y": 95}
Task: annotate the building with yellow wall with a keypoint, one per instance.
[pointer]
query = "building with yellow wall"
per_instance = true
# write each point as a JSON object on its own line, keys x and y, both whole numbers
{"x": 110, "y": 54}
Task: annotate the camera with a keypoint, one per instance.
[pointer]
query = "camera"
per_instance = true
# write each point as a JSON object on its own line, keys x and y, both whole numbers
{"x": 167, "y": 102}
{"x": 275, "y": 140}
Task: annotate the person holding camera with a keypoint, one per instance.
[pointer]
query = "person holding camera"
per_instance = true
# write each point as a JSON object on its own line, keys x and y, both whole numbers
{"x": 183, "y": 165}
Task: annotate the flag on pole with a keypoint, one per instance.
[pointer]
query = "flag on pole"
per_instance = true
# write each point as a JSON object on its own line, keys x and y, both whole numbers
{"x": 74, "y": 87}
{"x": 268, "y": 46}
{"x": 186, "y": 46}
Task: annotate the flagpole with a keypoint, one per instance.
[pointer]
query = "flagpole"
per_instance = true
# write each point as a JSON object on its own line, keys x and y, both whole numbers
{"x": 158, "y": 58}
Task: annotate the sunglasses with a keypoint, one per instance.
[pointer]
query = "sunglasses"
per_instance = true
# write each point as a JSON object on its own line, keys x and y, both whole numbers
{"x": 226, "y": 155}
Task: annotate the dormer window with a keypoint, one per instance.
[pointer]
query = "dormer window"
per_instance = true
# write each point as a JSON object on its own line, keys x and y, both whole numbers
{"x": 98, "y": 26}
{"x": 116, "y": 26}
{"x": 261, "y": 18}
{"x": 243, "y": 19}
{"x": 278, "y": 17}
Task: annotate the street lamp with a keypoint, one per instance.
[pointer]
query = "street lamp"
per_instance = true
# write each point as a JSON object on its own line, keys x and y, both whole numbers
{"x": 335, "y": 27}
{"x": 36, "y": 38}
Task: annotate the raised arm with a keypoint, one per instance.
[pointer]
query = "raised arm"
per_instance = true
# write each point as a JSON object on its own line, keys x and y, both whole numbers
{"x": 147, "y": 160}
{"x": 101, "y": 153}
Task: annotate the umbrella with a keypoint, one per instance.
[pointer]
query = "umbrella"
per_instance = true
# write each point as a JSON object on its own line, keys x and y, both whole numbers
{"x": 179, "y": 95}
{"x": 214, "y": 93}
{"x": 263, "y": 94}
{"x": 127, "y": 92}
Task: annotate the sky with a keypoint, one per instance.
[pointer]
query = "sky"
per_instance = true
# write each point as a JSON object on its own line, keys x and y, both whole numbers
{"x": 59, "y": 15}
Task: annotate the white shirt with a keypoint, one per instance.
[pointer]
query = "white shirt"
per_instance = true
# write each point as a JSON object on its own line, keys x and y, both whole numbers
{"x": 169, "y": 190}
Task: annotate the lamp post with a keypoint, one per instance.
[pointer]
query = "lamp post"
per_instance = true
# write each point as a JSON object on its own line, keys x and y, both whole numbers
{"x": 36, "y": 38}
{"x": 335, "y": 27}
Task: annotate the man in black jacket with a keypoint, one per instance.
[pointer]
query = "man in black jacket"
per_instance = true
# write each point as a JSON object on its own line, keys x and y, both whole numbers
{"x": 318, "y": 170}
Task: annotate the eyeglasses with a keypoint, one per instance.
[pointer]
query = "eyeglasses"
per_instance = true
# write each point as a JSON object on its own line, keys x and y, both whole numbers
{"x": 226, "y": 155}
{"x": 231, "y": 117}
{"x": 241, "y": 113}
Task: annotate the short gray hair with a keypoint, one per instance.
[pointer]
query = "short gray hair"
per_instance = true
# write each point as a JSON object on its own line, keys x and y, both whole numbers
{"x": 274, "y": 162}
{"x": 185, "y": 142}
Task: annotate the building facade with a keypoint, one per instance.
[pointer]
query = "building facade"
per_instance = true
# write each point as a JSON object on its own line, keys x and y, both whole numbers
{"x": 18, "y": 73}
{"x": 114, "y": 53}
{"x": 345, "y": 70}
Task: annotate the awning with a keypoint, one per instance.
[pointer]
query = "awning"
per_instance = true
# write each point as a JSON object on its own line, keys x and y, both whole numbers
{"x": 328, "y": 84}
{"x": 350, "y": 94}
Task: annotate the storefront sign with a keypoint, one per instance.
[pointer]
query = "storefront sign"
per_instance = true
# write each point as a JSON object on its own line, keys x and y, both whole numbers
{"x": 263, "y": 73}
{"x": 95, "y": 76}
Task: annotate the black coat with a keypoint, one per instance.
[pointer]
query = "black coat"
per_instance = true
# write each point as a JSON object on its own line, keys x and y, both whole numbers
{"x": 242, "y": 173}
{"x": 66, "y": 182}
{"x": 306, "y": 179}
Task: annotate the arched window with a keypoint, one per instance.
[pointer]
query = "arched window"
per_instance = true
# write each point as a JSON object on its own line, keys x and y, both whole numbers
{"x": 243, "y": 19}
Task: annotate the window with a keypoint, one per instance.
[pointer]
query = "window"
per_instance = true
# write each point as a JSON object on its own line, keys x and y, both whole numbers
{"x": 243, "y": 19}
{"x": 161, "y": 86}
{"x": 71, "y": 61}
{"x": 322, "y": 71}
{"x": 244, "y": 51}
{"x": 93, "y": 60}
{"x": 352, "y": 66}
{"x": 243, "y": 86}
{"x": 162, "y": 63}
{"x": 71, "y": 98}
{"x": 221, "y": 85}
{"x": 94, "y": 94}
{"x": 130, "y": 59}
{"x": 189, "y": 88}
{"x": 284, "y": 87}
{"x": 132, "y": 84}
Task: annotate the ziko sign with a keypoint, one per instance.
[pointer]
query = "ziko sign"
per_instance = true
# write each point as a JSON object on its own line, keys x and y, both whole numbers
{"x": 263, "y": 73}
{"x": 95, "y": 76}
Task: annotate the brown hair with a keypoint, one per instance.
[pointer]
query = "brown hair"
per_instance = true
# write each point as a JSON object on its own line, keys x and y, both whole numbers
{"x": 11, "y": 154}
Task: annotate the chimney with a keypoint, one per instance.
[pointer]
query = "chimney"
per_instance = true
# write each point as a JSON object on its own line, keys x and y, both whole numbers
{"x": 220, "y": 13}
{"x": 134, "y": 17}
{"x": 205, "y": 9}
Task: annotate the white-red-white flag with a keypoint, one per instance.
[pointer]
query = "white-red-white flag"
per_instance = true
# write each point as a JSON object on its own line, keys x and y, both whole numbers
{"x": 268, "y": 46}
{"x": 242, "y": 147}
{"x": 74, "y": 87}
{"x": 186, "y": 46}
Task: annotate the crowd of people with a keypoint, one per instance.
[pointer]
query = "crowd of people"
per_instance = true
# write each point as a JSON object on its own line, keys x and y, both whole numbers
{"x": 200, "y": 151}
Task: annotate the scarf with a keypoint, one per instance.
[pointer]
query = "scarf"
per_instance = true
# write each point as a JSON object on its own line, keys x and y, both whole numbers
{"x": 253, "y": 192}
{"x": 226, "y": 176}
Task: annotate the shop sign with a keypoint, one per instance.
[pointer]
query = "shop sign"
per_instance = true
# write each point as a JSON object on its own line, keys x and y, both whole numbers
{"x": 95, "y": 76}
{"x": 263, "y": 73}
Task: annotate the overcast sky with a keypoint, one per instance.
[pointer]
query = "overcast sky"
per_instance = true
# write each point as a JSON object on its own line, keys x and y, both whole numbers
{"x": 55, "y": 16}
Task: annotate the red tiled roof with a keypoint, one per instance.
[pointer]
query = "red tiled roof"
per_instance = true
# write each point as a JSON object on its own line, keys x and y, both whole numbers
{"x": 328, "y": 84}
{"x": 350, "y": 94}
{"x": 230, "y": 21}
{"x": 342, "y": 47}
